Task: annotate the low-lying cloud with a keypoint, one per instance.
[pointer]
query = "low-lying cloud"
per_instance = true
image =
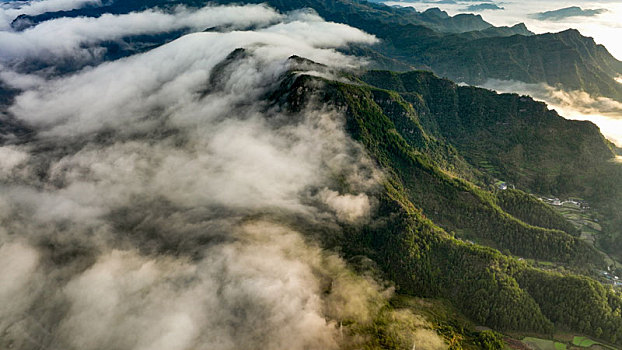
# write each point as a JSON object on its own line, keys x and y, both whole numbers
{"x": 161, "y": 202}
{"x": 567, "y": 12}
{"x": 74, "y": 37}
{"x": 219, "y": 303}
{"x": 11, "y": 9}
{"x": 168, "y": 76}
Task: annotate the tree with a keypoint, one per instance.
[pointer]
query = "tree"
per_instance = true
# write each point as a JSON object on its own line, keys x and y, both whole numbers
{"x": 490, "y": 340}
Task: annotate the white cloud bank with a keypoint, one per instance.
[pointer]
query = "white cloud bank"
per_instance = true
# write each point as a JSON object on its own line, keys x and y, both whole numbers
{"x": 70, "y": 37}
{"x": 170, "y": 76}
{"x": 155, "y": 206}
{"x": 10, "y": 10}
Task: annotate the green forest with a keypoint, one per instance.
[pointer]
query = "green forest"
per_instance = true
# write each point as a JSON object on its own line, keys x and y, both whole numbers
{"x": 444, "y": 230}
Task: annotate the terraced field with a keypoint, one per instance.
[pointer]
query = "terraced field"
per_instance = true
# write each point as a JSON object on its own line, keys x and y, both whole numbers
{"x": 586, "y": 342}
{"x": 544, "y": 344}
{"x": 577, "y": 342}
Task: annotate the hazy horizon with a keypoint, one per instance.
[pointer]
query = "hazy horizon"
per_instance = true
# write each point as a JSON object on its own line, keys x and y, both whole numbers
{"x": 605, "y": 28}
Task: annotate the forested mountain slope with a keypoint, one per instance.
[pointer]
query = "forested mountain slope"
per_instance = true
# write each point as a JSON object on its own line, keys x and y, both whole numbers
{"x": 526, "y": 143}
{"x": 518, "y": 140}
{"x": 421, "y": 205}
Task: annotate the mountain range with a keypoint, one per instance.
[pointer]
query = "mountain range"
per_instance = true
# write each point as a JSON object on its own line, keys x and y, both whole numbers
{"x": 429, "y": 135}
{"x": 463, "y": 48}
{"x": 373, "y": 202}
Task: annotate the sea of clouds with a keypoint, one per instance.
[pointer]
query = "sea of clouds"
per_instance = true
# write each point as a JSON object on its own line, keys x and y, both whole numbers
{"x": 160, "y": 202}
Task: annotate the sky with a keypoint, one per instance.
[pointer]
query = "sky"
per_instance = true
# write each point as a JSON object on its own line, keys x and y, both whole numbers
{"x": 605, "y": 28}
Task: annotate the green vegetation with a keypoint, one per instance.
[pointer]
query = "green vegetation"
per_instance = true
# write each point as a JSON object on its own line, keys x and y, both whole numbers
{"x": 522, "y": 142}
{"x": 476, "y": 54}
{"x": 459, "y": 206}
{"x": 407, "y": 320}
{"x": 586, "y": 342}
{"x": 544, "y": 344}
{"x": 426, "y": 198}
{"x": 490, "y": 340}
{"x": 583, "y": 342}
{"x": 533, "y": 211}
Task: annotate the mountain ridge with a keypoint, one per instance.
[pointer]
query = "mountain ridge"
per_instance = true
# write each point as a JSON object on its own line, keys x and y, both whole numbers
{"x": 428, "y": 195}
{"x": 463, "y": 48}
{"x": 410, "y": 246}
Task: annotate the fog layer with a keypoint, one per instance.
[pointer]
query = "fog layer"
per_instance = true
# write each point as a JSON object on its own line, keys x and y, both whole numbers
{"x": 161, "y": 202}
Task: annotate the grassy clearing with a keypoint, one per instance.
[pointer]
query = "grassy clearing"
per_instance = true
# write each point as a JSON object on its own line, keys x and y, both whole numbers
{"x": 586, "y": 342}
{"x": 563, "y": 342}
{"x": 583, "y": 342}
{"x": 544, "y": 344}
{"x": 560, "y": 346}
{"x": 541, "y": 264}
